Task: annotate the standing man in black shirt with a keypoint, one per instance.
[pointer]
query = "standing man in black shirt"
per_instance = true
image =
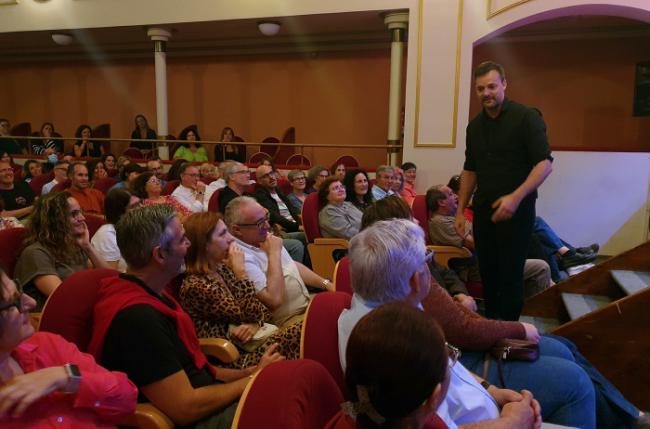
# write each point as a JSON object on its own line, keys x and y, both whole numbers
{"x": 507, "y": 158}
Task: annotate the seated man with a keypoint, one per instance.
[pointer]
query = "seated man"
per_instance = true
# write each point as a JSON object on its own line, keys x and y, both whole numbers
{"x": 155, "y": 166}
{"x": 191, "y": 191}
{"x": 90, "y": 200}
{"x": 60, "y": 176}
{"x": 237, "y": 178}
{"x": 220, "y": 182}
{"x": 279, "y": 280}
{"x": 442, "y": 203}
{"x": 142, "y": 331}
{"x": 383, "y": 186}
{"x": 128, "y": 174}
{"x": 18, "y": 197}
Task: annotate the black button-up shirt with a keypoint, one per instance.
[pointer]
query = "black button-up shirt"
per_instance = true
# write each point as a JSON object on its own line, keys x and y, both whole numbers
{"x": 503, "y": 150}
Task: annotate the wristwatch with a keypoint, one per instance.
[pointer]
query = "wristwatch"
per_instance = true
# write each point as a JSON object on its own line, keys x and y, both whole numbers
{"x": 326, "y": 283}
{"x": 74, "y": 378}
{"x": 486, "y": 385}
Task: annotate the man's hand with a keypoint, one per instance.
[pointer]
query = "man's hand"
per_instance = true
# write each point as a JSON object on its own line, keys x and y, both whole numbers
{"x": 459, "y": 224}
{"x": 271, "y": 244}
{"x": 532, "y": 334}
{"x": 200, "y": 186}
{"x": 506, "y": 206}
{"x": 466, "y": 301}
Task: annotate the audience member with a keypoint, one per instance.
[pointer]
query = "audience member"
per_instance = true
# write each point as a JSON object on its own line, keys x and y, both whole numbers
{"x": 31, "y": 169}
{"x": 57, "y": 245}
{"x": 8, "y": 145}
{"x": 149, "y": 189}
{"x": 298, "y": 182}
{"x": 84, "y": 146}
{"x": 232, "y": 152}
{"x": 110, "y": 164}
{"x": 383, "y": 187}
{"x": 221, "y": 299}
{"x": 144, "y": 132}
{"x": 283, "y": 214}
{"x": 219, "y": 183}
{"x": 337, "y": 218}
{"x": 208, "y": 172}
{"x": 122, "y": 161}
{"x": 47, "y": 381}
{"x": 315, "y": 176}
{"x": 405, "y": 387}
{"x": 174, "y": 170}
{"x": 96, "y": 170}
{"x": 338, "y": 171}
{"x": 237, "y": 179}
{"x": 191, "y": 191}
{"x": 279, "y": 280}
{"x": 60, "y": 176}
{"x": 155, "y": 166}
{"x": 18, "y": 197}
{"x": 8, "y": 222}
{"x": 408, "y": 192}
{"x": 128, "y": 174}
{"x": 18, "y": 169}
{"x": 357, "y": 186}
{"x": 91, "y": 200}
{"x": 47, "y": 146}
{"x": 141, "y": 330}
{"x": 191, "y": 151}
{"x": 398, "y": 181}
{"x": 117, "y": 203}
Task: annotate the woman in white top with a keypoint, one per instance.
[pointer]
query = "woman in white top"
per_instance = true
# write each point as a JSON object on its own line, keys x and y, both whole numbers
{"x": 116, "y": 204}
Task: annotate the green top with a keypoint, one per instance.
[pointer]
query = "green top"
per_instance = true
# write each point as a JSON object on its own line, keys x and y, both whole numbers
{"x": 201, "y": 155}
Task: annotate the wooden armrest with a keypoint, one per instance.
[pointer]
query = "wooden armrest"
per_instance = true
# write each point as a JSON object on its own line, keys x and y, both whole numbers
{"x": 332, "y": 241}
{"x": 220, "y": 348}
{"x": 442, "y": 254}
{"x": 147, "y": 416}
{"x": 35, "y": 319}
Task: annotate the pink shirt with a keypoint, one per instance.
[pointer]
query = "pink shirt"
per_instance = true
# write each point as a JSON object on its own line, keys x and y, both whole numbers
{"x": 408, "y": 193}
{"x": 103, "y": 397}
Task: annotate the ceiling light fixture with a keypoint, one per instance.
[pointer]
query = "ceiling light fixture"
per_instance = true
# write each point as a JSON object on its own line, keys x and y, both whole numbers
{"x": 269, "y": 28}
{"x": 62, "y": 39}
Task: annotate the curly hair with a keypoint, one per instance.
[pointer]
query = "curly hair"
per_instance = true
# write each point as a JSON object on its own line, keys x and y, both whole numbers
{"x": 48, "y": 225}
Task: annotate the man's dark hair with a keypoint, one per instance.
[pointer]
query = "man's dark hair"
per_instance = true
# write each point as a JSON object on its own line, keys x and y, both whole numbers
{"x": 408, "y": 166}
{"x": 129, "y": 168}
{"x": 487, "y": 66}
{"x": 115, "y": 204}
{"x": 391, "y": 207}
{"x": 433, "y": 197}
{"x": 454, "y": 183}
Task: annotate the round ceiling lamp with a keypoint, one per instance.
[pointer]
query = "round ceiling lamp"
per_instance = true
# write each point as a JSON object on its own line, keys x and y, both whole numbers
{"x": 62, "y": 39}
{"x": 269, "y": 28}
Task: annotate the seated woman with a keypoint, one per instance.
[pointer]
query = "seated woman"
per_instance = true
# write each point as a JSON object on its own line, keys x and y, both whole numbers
{"x": 31, "y": 169}
{"x": 338, "y": 171}
{"x": 233, "y": 152}
{"x": 408, "y": 192}
{"x": 315, "y": 176}
{"x": 398, "y": 181}
{"x": 191, "y": 151}
{"x": 46, "y": 379}
{"x": 380, "y": 396}
{"x": 47, "y": 146}
{"x": 96, "y": 170}
{"x": 357, "y": 186}
{"x": 116, "y": 203}
{"x": 84, "y": 146}
{"x": 338, "y": 218}
{"x": 174, "y": 170}
{"x": 144, "y": 132}
{"x": 148, "y": 188}
{"x": 220, "y": 298}
{"x": 110, "y": 164}
{"x": 57, "y": 245}
{"x": 298, "y": 182}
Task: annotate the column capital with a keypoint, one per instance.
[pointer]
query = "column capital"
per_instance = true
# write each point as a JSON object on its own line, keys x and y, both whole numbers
{"x": 396, "y": 19}
{"x": 159, "y": 34}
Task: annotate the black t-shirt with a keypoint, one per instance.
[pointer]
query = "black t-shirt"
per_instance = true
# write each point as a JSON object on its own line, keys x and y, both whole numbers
{"x": 11, "y": 146}
{"x": 503, "y": 150}
{"x": 144, "y": 344}
{"x": 19, "y": 197}
{"x": 92, "y": 149}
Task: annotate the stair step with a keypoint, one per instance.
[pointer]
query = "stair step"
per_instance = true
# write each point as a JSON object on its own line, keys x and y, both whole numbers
{"x": 631, "y": 281}
{"x": 578, "y": 305}
{"x": 543, "y": 324}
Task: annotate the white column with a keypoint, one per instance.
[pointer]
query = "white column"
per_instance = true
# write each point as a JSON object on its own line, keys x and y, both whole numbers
{"x": 397, "y": 23}
{"x": 160, "y": 37}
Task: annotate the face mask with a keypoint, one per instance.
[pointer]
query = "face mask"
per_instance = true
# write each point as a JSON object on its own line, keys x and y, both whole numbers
{"x": 52, "y": 158}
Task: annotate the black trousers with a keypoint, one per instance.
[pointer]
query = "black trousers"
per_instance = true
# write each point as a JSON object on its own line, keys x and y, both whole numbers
{"x": 501, "y": 249}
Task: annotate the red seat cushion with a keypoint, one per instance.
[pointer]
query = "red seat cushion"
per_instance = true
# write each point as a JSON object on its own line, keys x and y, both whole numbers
{"x": 38, "y": 182}
{"x": 104, "y": 184}
{"x": 420, "y": 212}
{"x": 11, "y": 241}
{"x": 170, "y": 187}
{"x": 342, "y": 276}
{"x": 310, "y": 209}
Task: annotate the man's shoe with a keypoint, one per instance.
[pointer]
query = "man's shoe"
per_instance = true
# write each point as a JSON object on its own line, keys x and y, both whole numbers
{"x": 592, "y": 248}
{"x": 577, "y": 258}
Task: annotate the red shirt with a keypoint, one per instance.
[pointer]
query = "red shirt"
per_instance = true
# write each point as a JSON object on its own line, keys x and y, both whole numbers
{"x": 103, "y": 397}
{"x": 409, "y": 193}
{"x": 91, "y": 200}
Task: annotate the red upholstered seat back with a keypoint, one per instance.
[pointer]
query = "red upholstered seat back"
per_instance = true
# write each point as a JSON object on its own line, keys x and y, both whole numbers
{"x": 104, "y": 184}
{"x": 170, "y": 187}
{"x": 256, "y": 158}
{"x": 213, "y": 204}
{"x": 10, "y": 243}
{"x": 342, "y": 275}
{"x": 420, "y": 212}
{"x": 284, "y": 186}
{"x": 69, "y": 310}
{"x": 310, "y": 209}
{"x": 347, "y": 160}
{"x": 133, "y": 153}
{"x": 320, "y": 338}
{"x": 343, "y": 421}
{"x": 298, "y": 394}
{"x": 298, "y": 160}
{"x": 38, "y": 182}
{"x": 93, "y": 223}
{"x": 61, "y": 186}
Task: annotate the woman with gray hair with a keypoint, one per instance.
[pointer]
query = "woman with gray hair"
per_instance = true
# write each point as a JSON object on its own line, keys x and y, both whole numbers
{"x": 298, "y": 182}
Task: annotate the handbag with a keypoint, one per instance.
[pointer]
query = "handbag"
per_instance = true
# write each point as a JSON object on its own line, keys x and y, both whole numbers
{"x": 260, "y": 337}
{"x": 512, "y": 349}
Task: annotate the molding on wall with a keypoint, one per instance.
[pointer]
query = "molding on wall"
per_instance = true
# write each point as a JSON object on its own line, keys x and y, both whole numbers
{"x": 459, "y": 33}
{"x": 492, "y": 13}
{"x": 8, "y": 2}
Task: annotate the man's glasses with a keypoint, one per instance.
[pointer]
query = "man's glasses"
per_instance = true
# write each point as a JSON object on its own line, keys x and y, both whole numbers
{"x": 300, "y": 179}
{"x": 17, "y": 301}
{"x": 453, "y": 353}
{"x": 260, "y": 224}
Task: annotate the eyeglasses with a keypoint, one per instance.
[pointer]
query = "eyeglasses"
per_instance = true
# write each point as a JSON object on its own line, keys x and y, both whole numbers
{"x": 17, "y": 301}
{"x": 453, "y": 353}
{"x": 299, "y": 179}
{"x": 260, "y": 224}
{"x": 271, "y": 174}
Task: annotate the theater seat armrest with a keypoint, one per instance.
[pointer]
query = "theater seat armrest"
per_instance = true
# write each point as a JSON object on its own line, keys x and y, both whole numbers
{"x": 332, "y": 241}
{"x": 35, "y": 320}
{"x": 220, "y": 348}
{"x": 442, "y": 254}
{"x": 147, "y": 416}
